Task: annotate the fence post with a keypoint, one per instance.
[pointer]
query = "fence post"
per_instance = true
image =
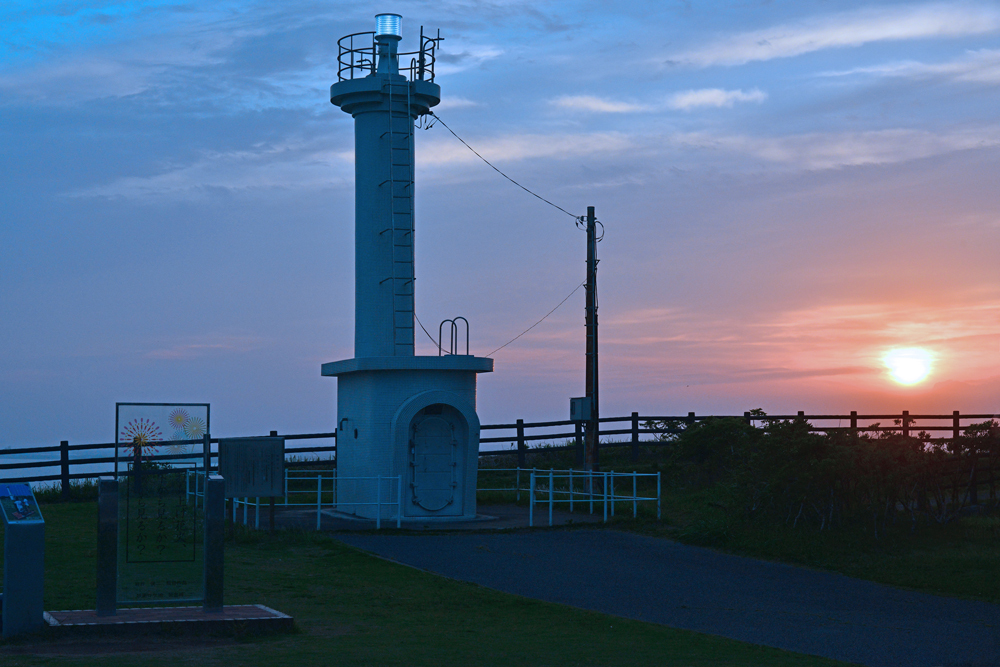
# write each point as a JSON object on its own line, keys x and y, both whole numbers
{"x": 520, "y": 445}
{"x": 64, "y": 467}
{"x": 571, "y": 490}
{"x": 635, "y": 496}
{"x": 590, "y": 489}
{"x": 906, "y": 423}
{"x": 551, "y": 499}
{"x": 955, "y": 428}
{"x": 612, "y": 493}
{"x": 214, "y": 542}
{"x": 605, "y": 497}
{"x": 635, "y": 437}
{"x": 690, "y": 419}
{"x": 657, "y": 495}
{"x": 854, "y": 423}
{"x": 531, "y": 498}
{"x": 206, "y": 447}
{"x": 747, "y": 419}
{"x": 578, "y": 427}
{"x": 107, "y": 546}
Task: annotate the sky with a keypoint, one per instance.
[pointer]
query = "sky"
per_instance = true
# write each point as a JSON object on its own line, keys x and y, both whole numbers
{"x": 789, "y": 191}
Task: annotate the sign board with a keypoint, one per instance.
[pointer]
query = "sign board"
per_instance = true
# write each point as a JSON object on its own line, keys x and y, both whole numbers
{"x": 253, "y": 467}
{"x": 24, "y": 558}
{"x": 18, "y": 504}
{"x": 160, "y": 542}
{"x": 156, "y": 427}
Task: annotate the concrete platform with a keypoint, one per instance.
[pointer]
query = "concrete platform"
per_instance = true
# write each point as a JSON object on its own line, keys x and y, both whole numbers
{"x": 488, "y": 518}
{"x": 236, "y": 619}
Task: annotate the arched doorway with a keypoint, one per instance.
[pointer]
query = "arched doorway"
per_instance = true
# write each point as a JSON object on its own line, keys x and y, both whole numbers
{"x": 438, "y": 438}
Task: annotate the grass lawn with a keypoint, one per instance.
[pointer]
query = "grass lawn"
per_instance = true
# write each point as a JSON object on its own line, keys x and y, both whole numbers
{"x": 354, "y": 609}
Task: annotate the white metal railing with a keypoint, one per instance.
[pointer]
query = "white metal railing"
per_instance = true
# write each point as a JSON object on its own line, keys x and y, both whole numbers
{"x": 548, "y": 487}
{"x": 574, "y": 487}
{"x": 385, "y": 490}
{"x": 517, "y": 480}
{"x": 605, "y": 495}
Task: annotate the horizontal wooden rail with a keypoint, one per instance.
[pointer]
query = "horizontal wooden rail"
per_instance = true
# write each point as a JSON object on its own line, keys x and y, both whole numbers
{"x": 519, "y": 436}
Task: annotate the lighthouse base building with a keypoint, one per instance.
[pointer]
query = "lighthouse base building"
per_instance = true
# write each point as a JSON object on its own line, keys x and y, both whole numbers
{"x": 411, "y": 417}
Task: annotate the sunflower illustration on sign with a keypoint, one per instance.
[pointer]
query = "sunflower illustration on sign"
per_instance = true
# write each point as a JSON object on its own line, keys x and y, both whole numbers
{"x": 139, "y": 434}
{"x": 178, "y": 418}
{"x": 194, "y": 428}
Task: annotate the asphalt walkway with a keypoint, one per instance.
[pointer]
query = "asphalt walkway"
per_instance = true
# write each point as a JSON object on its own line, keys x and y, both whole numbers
{"x": 661, "y": 581}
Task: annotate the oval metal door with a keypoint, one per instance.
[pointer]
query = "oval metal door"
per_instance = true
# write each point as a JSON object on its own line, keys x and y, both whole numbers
{"x": 432, "y": 463}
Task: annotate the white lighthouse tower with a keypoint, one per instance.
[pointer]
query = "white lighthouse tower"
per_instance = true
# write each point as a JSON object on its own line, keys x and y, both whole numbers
{"x": 397, "y": 413}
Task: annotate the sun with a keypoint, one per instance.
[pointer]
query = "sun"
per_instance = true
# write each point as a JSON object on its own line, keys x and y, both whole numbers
{"x": 908, "y": 365}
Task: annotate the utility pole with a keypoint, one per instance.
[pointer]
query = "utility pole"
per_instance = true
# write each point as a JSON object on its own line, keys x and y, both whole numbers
{"x": 592, "y": 441}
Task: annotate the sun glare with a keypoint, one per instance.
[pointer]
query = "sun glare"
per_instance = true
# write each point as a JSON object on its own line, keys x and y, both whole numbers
{"x": 909, "y": 365}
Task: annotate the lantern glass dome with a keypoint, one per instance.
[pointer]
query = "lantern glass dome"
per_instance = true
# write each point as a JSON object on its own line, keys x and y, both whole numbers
{"x": 388, "y": 24}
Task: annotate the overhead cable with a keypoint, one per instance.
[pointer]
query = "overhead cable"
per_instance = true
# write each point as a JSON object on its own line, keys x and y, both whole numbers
{"x": 492, "y": 166}
{"x": 436, "y": 343}
{"x": 539, "y": 321}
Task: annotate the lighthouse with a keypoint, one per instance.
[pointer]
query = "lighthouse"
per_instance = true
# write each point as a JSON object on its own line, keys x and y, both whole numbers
{"x": 398, "y": 414}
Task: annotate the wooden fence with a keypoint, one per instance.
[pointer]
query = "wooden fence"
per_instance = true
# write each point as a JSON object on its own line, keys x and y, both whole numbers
{"x": 623, "y": 432}
{"x": 520, "y": 433}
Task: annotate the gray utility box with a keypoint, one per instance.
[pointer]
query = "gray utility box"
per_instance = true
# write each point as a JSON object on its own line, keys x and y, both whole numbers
{"x": 23, "y": 560}
{"x": 253, "y": 467}
{"x": 579, "y": 409}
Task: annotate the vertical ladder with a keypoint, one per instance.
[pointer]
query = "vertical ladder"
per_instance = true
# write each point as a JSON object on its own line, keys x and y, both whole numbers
{"x": 400, "y": 230}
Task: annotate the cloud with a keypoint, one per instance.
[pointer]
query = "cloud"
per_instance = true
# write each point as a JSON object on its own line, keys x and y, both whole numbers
{"x": 114, "y": 71}
{"x": 452, "y": 102}
{"x": 287, "y": 166}
{"x": 981, "y": 66}
{"x": 206, "y": 346}
{"x": 844, "y": 149}
{"x": 684, "y": 101}
{"x": 474, "y": 55}
{"x": 512, "y": 148}
{"x": 845, "y": 29}
{"x": 596, "y": 104}
{"x": 713, "y": 97}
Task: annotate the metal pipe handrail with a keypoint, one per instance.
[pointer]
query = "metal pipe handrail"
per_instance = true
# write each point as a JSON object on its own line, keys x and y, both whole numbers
{"x": 362, "y": 59}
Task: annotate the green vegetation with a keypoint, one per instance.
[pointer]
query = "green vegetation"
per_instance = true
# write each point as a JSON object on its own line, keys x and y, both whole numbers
{"x": 80, "y": 490}
{"x": 355, "y": 609}
{"x": 784, "y": 473}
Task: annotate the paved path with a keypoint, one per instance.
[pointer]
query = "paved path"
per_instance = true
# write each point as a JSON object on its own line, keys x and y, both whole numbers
{"x": 665, "y": 582}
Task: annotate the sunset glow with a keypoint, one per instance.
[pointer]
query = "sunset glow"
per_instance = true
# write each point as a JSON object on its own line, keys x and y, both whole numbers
{"x": 909, "y": 365}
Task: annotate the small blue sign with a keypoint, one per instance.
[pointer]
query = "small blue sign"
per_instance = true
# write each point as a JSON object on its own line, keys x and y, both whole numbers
{"x": 18, "y": 504}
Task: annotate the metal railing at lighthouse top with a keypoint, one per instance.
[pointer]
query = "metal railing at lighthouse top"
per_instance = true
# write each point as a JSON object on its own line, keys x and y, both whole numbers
{"x": 357, "y": 57}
